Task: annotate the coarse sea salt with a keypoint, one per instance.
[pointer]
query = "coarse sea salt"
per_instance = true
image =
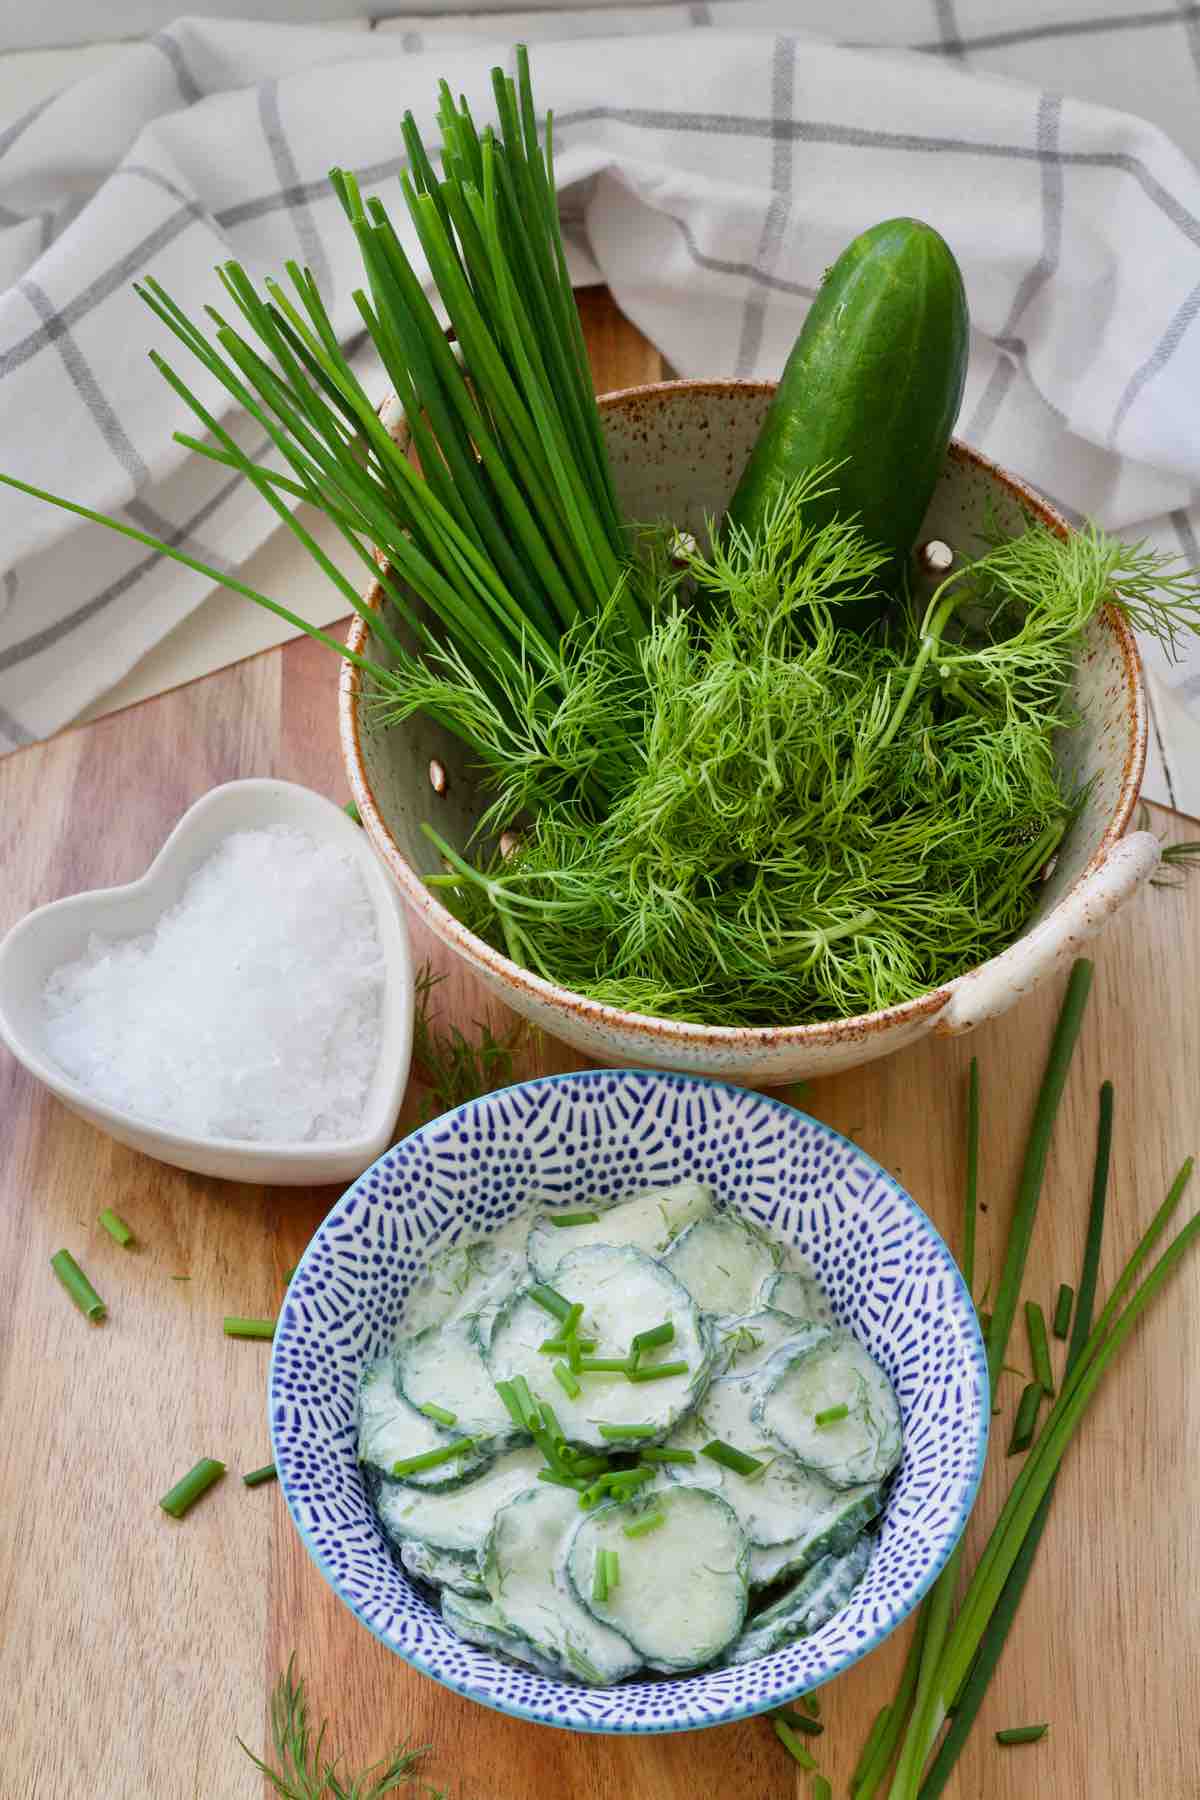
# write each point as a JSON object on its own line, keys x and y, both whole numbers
{"x": 252, "y": 1009}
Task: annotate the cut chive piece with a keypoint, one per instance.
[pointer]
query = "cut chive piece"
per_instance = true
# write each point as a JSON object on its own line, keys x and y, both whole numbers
{"x": 512, "y": 1406}
{"x": 667, "y": 1456}
{"x": 1022, "y": 1734}
{"x": 985, "y": 1324}
{"x": 571, "y": 1323}
{"x": 576, "y": 1218}
{"x": 643, "y": 1527}
{"x": 352, "y": 813}
{"x": 730, "y": 1458}
{"x": 288, "y": 1273}
{"x": 566, "y": 1481}
{"x": 563, "y": 1346}
{"x": 612, "y": 1568}
{"x": 810, "y": 1703}
{"x": 620, "y": 1480}
{"x": 188, "y": 1490}
{"x": 590, "y": 1465}
{"x": 1062, "y": 1310}
{"x": 566, "y": 1381}
{"x": 257, "y": 1477}
{"x": 874, "y": 1738}
{"x": 1039, "y": 1346}
{"x": 552, "y": 1302}
{"x": 77, "y": 1285}
{"x": 657, "y": 1371}
{"x": 793, "y": 1746}
{"x": 116, "y": 1227}
{"x": 604, "y": 1365}
{"x": 832, "y": 1415}
{"x": 600, "y": 1578}
{"x": 530, "y": 1414}
{"x": 438, "y": 1414}
{"x": 801, "y": 1722}
{"x": 821, "y": 1789}
{"x": 1025, "y": 1423}
{"x": 250, "y": 1328}
{"x": 433, "y": 1459}
{"x": 614, "y": 1433}
{"x": 652, "y": 1340}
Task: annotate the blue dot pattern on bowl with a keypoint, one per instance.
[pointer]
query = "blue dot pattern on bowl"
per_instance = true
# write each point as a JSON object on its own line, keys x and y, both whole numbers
{"x": 599, "y": 1135}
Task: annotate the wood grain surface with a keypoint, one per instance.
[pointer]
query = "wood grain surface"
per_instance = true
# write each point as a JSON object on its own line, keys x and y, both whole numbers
{"x": 134, "y": 1649}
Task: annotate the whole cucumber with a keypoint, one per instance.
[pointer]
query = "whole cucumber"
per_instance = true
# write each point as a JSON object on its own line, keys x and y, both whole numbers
{"x": 874, "y": 381}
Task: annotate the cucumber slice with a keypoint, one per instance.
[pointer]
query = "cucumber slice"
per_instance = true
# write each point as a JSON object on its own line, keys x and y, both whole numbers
{"x": 811, "y": 1603}
{"x": 648, "y": 1222}
{"x": 457, "y": 1570}
{"x": 456, "y": 1521}
{"x": 444, "y": 1365}
{"x": 465, "y": 1281}
{"x": 834, "y": 1529}
{"x": 724, "y": 1263}
{"x": 800, "y": 1382}
{"x": 389, "y": 1428}
{"x": 742, "y": 1346}
{"x": 622, "y": 1292}
{"x": 683, "y": 1588}
{"x": 800, "y": 1294}
{"x": 783, "y": 1500}
{"x": 524, "y": 1569}
{"x": 479, "y": 1622}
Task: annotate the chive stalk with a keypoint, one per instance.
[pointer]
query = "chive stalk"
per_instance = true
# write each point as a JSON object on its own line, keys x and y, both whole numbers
{"x": 566, "y": 1380}
{"x": 438, "y": 1414}
{"x": 600, "y": 1579}
{"x": 116, "y": 1227}
{"x": 727, "y": 1456}
{"x": 801, "y": 1722}
{"x": 612, "y": 1569}
{"x": 1039, "y": 1346}
{"x": 604, "y": 1365}
{"x": 257, "y": 1477}
{"x": 832, "y": 1415}
{"x": 1021, "y": 1734}
{"x": 793, "y": 1745}
{"x": 433, "y": 1459}
{"x": 651, "y": 1340}
{"x": 615, "y": 1433}
{"x": 551, "y": 1300}
{"x": 1063, "y": 1306}
{"x": 77, "y": 1285}
{"x": 1025, "y": 1423}
{"x": 563, "y": 1220}
{"x": 667, "y": 1456}
{"x": 643, "y": 1527}
{"x": 188, "y": 1488}
{"x": 657, "y": 1371}
{"x": 821, "y": 1789}
{"x": 249, "y": 1328}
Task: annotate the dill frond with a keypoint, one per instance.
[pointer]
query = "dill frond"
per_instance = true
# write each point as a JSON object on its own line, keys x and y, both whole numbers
{"x": 453, "y": 1067}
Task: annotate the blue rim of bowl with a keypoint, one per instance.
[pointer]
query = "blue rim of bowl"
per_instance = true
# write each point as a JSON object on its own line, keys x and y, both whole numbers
{"x": 733, "y": 1714}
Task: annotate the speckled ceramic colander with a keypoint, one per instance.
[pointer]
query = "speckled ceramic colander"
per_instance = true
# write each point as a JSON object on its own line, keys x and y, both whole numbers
{"x": 677, "y": 449}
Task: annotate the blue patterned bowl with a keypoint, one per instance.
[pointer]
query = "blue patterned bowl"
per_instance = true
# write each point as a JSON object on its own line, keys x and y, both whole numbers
{"x": 602, "y": 1134}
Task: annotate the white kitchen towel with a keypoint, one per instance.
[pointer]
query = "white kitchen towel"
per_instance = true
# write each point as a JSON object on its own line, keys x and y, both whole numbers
{"x": 712, "y": 163}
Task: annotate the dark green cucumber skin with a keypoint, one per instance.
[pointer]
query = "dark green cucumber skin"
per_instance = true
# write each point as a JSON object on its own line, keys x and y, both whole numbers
{"x": 874, "y": 381}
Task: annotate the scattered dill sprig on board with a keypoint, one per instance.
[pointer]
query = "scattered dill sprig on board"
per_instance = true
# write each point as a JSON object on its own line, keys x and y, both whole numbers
{"x": 452, "y": 1066}
{"x": 305, "y": 1771}
{"x": 1178, "y": 860}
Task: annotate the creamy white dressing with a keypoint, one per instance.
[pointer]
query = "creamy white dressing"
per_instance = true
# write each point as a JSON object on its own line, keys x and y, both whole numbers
{"x": 723, "y": 1263}
{"x": 460, "y": 1518}
{"x": 866, "y": 1444}
{"x": 445, "y": 1367}
{"x": 647, "y": 1222}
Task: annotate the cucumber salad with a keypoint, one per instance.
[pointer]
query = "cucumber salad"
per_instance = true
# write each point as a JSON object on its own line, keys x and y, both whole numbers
{"x": 630, "y": 1438}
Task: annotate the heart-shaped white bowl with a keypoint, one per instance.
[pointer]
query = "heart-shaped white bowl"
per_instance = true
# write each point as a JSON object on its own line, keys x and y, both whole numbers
{"x": 59, "y": 932}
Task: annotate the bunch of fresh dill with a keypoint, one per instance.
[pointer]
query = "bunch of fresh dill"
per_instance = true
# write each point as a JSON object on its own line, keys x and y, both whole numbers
{"x": 811, "y": 821}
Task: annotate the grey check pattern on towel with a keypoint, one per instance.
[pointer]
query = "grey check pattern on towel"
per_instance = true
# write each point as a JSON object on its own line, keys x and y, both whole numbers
{"x": 712, "y": 162}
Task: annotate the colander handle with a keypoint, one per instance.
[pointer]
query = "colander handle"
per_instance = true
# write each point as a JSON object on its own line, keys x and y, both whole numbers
{"x": 1056, "y": 942}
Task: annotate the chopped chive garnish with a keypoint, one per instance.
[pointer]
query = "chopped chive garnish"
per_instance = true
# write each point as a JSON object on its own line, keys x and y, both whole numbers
{"x": 1039, "y": 1348}
{"x": 563, "y": 1346}
{"x": 668, "y": 1456}
{"x": 600, "y": 1579}
{"x": 1022, "y": 1734}
{"x": 77, "y": 1284}
{"x": 620, "y": 1480}
{"x": 566, "y": 1381}
{"x": 793, "y": 1745}
{"x": 821, "y": 1789}
{"x": 643, "y": 1527}
{"x": 658, "y": 1371}
{"x": 985, "y": 1323}
{"x": 832, "y": 1415}
{"x": 614, "y": 1433}
{"x": 181, "y": 1278}
{"x": 438, "y": 1414}
{"x": 576, "y": 1218}
{"x": 552, "y": 1302}
{"x": 730, "y": 1458}
{"x": 1062, "y": 1310}
{"x": 288, "y": 1273}
{"x": 531, "y": 1418}
{"x": 188, "y": 1490}
{"x": 810, "y": 1703}
{"x": 512, "y": 1406}
{"x": 432, "y": 1459}
{"x": 612, "y": 1568}
{"x": 250, "y": 1328}
{"x": 652, "y": 1340}
{"x": 550, "y": 1420}
{"x": 116, "y": 1227}
{"x": 352, "y": 813}
{"x": 571, "y": 1323}
{"x": 604, "y": 1365}
{"x": 256, "y": 1477}
{"x": 801, "y": 1722}
{"x": 590, "y": 1465}
{"x": 566, "y": 1481}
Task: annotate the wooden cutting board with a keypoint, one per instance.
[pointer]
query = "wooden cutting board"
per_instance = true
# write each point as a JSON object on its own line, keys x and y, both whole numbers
{"x": 135, "y": 1649}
